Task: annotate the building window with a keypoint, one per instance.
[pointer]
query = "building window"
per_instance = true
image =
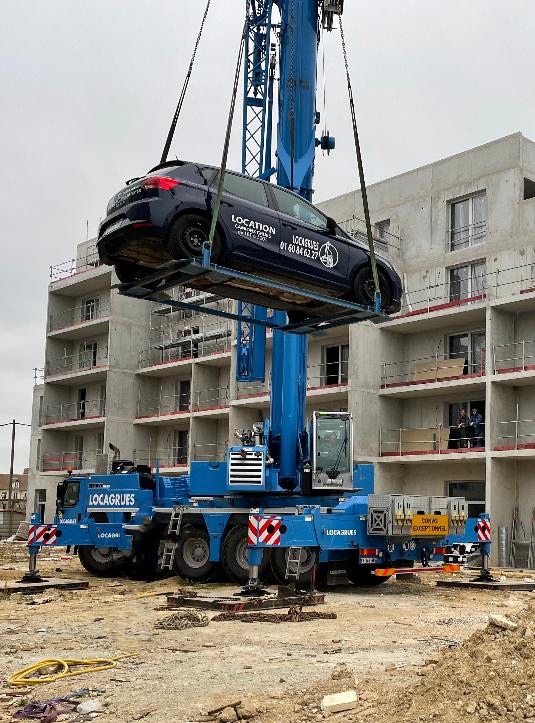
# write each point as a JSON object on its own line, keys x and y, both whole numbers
{"x": 334, "y": 366}
{"x": 467, "y": 281}
{"x": 382, "y": 231}
{"x": 529, "y": 189}
{"x": 469, "y": 346}
{"x": 100, "y": 442}
{"x": 182, "y": 395}
{"x": 88, "y": 354}
{"x": 468, "y": 222}
{"x": 90, "y": 309}
{"x": 180, "y": 449}
{"x": 39, "y": 504}
{"x": 472, "y": 491}
{"x": 466, "y": 421}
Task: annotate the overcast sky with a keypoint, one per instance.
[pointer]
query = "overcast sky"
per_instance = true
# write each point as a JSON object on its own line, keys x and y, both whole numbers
{"x": 88, "y": 88}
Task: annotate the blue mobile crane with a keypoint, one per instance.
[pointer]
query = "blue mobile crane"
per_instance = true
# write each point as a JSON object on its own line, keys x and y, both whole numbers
{"x": 288, "y": 495}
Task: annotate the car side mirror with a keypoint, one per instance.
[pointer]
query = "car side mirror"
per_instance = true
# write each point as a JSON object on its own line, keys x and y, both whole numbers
{"x": 331, "y": 225}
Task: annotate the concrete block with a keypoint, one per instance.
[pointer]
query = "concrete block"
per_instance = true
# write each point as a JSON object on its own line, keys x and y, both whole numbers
{"x": 502, "y": 622}
{"x": 337, "y": 702}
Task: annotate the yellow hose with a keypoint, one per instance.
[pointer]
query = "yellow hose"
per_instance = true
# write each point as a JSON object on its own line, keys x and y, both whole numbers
{"x": 64, "y": 669}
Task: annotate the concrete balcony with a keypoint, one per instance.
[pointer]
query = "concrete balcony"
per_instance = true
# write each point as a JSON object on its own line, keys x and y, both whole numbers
{"x": 213, "y": 402}
{"x": 78, "y": 322}
{"x": 429, "y": 443}
{"x": 76, "y": 415}
{"x": 167, "y": 459}
{"x": 74, "y": 368}
{"x": 514, "y": 361}
{"x": 254, "y": 394}
{"x": 82, "y": 275}
{"x": 164, "y": 409}
{"x": 63, "y": 460}
{"x": 433, "y": 375}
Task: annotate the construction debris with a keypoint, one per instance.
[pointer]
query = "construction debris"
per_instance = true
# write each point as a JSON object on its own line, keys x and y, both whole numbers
{"x": 502, "y": 622}
{"x": 338, "y": 702}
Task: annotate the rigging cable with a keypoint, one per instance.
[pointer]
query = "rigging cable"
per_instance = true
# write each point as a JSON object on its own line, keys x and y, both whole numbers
{"x": 217, "y": 202}
{"x": 373, "y": 260}
{"x": 172, "y": 129}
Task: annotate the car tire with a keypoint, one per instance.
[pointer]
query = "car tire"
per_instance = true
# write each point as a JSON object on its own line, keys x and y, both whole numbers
{"x": 364, "y": 288}
{"x": 101, "y": 561}
{"x": 233, "y": 555}
{"x": 188, "y": 235}
{"x": 192, "y": 555}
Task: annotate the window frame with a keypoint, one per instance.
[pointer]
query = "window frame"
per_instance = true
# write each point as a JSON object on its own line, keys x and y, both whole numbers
{"x": 470, "y": 265}
{"x": 451, "y": 230}
{"x": 470, "y": 361}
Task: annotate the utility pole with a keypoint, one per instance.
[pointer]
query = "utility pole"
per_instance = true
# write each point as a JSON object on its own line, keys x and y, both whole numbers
{"x": 13, "y": 424}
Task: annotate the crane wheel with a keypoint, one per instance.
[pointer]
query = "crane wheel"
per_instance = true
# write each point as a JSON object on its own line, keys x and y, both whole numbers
{"x": 192, "y": 556}
{"x": 187, "y": 236}
{"x": 101, "y": 561}
{"x": 234, "y": 555}
{"x": 279, "y": 561}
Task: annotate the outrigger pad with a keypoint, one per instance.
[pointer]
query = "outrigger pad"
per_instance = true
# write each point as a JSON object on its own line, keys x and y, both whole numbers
{"x": 315, "y": 311}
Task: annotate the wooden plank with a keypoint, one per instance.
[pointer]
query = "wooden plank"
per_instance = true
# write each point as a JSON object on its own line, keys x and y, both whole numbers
{"x": 237, "y": 604}
{"x": 47, "y": 584}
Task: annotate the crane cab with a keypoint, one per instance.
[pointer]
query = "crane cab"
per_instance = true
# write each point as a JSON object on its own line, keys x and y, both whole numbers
{"x": 332, "y": 451}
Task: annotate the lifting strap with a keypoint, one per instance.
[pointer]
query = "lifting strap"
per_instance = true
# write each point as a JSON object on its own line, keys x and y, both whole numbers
{"x": 364, "y": 194}
{"x": 171, "y": 133}
{"x": 217, "y": 203}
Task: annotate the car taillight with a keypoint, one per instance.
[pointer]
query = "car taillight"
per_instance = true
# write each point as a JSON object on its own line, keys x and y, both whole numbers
{"x": 164, "y": 183}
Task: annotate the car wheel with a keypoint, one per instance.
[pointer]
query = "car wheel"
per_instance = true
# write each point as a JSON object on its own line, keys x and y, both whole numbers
{"x": 364, "y": 288}
{"x": 188, "y": 235}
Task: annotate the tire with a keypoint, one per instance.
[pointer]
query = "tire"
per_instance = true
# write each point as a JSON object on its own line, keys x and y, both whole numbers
{"x": 361, "y": 576}
{"x": 187, "y": 236}
{"x": 279, "y": 556}
{"x": 143, "y": 565}
{"x": 364, "y": 288}
{"x": 234, "y": 555}
{"x": 192, "y": 555}
{"x": 101, "y": 561}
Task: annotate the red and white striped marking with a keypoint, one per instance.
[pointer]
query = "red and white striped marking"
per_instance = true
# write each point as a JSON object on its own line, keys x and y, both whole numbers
{"x": 42, "y": 535}
{"x": 264, "y": 529}
{"x": 483, "y": 530}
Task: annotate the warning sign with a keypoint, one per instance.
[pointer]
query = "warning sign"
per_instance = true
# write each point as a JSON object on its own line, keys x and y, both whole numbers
{"x": 430, "y": 525}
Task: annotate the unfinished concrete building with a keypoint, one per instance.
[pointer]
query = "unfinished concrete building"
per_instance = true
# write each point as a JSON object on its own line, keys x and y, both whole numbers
{"x": 161, "y": 385}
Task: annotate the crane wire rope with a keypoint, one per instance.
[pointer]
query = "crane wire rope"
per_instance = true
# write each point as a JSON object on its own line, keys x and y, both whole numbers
{"x": 178, "y": 109}
{"x": 220, "y": 185}
{"x": 292, "y": 94}
{"x": 373, "y": 260}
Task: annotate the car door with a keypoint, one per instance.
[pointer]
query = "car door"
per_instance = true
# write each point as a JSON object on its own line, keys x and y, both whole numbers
{"x": 306, "y": 246}
{"x": 251, "y": 225}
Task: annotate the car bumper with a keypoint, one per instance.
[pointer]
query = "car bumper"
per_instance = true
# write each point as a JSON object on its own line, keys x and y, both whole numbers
{"x": 139, "y": 241}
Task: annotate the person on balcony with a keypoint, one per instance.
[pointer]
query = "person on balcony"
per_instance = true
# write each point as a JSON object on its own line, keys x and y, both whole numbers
{"x": 476, "y": 426}
{"x": 465, "y": 430}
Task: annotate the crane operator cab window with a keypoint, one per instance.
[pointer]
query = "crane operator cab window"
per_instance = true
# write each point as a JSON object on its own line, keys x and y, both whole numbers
{"x": 333, "y": 451}
{"x": 68, "y": 493}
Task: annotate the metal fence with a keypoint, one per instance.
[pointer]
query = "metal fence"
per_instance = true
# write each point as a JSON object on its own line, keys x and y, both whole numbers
{"x": 515, "y": 434}
{"x": 87, "y": 262}
{"x": 211, "y": 398}
{"x": 441, "y": 439}
{"x": 71, "y": 411}
{"x": 86, "y": 312}
{"x": 514, "y": 357}
{"x": 193, "y": 346}
{"x": 164, "y": 405}
{"x": 70, "y": 363}
{"x": 64, "y": 460}
{"x": 437, "y": 368}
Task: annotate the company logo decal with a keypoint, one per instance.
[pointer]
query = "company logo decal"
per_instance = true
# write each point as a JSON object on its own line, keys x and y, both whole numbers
{"x": 328, "y": 255}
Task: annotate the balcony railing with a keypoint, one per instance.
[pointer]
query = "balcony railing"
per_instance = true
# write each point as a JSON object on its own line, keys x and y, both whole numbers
{"x": 204, "y": 399}
{"x": 258, "y": 389}
{"x": 465, "y": 236}
{"x": 212, "y": 340}
{"x": 331, "y": 374}
{"x": 88, "y": 261}
{"x": 73, "y": 411}
{"x": 518, "y": 356}
{"x": 515, "y": 434}
{"x": 384, "y": 242}
{"x": 435, "y": 297}
{"x": 64, "y": 460}
{"x": 164, "y": 405}
{"x": 164, "y": 457}
{"x": 38, "y": 376}
{"x": 69, "y": 364}
{"x": 431, "y": 440}
{"x": 78, "y": 315}
{"x": 438, "y": 368}
{"x": 212, "y": 452}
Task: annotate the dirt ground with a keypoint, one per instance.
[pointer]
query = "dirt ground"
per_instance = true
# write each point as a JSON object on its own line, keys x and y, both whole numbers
{"x": 387, "y": 643}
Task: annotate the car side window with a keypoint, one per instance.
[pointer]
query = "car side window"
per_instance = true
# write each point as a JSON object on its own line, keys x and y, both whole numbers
{"x": 293, "y": 206}
{"x": 246, "y": 188}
